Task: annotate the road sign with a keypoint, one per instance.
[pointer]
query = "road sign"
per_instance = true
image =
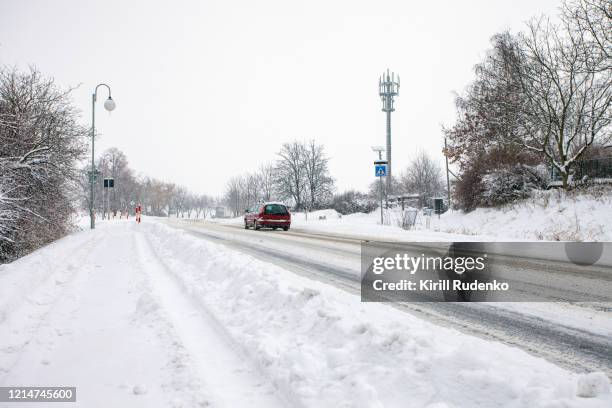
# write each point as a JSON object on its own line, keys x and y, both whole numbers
{"x": 92, "y": 176}
{"x": 132, "y": 202}
{"x": 438, "y": 205}
{"x": 380, "y": 170}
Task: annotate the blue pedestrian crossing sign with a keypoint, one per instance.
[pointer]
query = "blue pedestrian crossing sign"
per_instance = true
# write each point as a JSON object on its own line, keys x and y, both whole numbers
{"x": 380, "y": 168}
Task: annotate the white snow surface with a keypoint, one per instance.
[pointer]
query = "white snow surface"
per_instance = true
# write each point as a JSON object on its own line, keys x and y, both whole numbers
{"x": 146, "y": 315}
{"x": 552, "y": 215}
{"x": 549, "y": 215}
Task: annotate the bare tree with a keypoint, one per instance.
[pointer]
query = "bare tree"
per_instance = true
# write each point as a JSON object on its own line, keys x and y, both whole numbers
{"x": 291, "y": 181}
{"x": 374, "y": 188}
{"x": 251, "y": 189}
{"x": 202, "y": 205}
{"x": 422, "y": 176}
{"x": 179, "y": 200}
{"x": 302, "y": 175}
{"x": 567, "y": 104}
{"x": 319, "y": 184}
{"x": 267, "y": 180}
{"x": 591, "y": 21}
{"x": 233, "y": 196}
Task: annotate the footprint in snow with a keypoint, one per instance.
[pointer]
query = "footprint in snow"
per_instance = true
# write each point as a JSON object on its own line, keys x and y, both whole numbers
{"x": 139, "y": 389}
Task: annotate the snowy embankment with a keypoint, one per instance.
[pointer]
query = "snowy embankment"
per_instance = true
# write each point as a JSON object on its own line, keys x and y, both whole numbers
{"x": 323, "y": 347}
{"x": 552, "y": 215}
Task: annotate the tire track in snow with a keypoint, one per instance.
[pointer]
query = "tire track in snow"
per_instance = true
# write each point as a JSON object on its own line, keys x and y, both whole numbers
{"x": 231, "y": 379}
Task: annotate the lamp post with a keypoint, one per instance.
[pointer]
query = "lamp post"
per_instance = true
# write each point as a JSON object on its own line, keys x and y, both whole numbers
{"x": 109, "y": 105}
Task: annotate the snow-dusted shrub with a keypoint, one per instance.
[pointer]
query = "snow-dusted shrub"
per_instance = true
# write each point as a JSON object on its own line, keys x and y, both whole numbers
{"x": 353, "y": 201}
{"x": 509, "y": 184}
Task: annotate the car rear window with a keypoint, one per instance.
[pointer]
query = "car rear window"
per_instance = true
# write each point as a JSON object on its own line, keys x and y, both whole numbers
{"x": 275, "y": 209}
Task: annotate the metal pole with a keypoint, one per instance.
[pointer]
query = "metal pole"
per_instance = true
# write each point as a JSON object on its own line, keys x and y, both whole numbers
{"x": 381, "y": 201}
{"x": 93, "y": 164}
{"x": 388, "y": 151}
{"x": 381, "y": 192}
{"x": 447, "y": 177}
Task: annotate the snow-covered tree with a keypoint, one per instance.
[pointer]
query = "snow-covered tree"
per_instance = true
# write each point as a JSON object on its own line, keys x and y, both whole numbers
{"x": 291, "y": 174}
{"x": 40, "y": 143}
{"x": 540, "y": 96}
{"x": 566, "y": 97}
{"x": 302, "y": 175}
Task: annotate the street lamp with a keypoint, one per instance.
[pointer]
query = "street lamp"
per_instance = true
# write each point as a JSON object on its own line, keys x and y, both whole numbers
{"x": 109, "y": 105}
{"x": 380, "y": 150}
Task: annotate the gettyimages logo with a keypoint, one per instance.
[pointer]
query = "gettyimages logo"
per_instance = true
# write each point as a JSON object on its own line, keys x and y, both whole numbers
{"x": 412, "y": 264}
{"x": 486, "y": 272}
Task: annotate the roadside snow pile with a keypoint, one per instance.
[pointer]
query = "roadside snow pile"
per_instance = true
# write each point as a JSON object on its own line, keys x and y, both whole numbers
{"x": 592, "y": 385}
{"x": 329, "y": 214}
{"x": 552, "y": 215}
{"x": 368, "y": 226}
{"x": 323, "y": 347}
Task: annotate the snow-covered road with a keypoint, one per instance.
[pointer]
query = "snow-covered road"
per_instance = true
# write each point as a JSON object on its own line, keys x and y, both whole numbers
{"x": 149, "y": 315}
{"x": 577, "y": 336}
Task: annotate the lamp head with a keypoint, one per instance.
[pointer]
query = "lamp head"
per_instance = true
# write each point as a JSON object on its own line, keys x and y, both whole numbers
{"x": 109, "y": 104}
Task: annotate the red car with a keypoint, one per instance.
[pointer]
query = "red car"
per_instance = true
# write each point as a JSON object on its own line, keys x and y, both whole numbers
{"x": 268, "y": 215}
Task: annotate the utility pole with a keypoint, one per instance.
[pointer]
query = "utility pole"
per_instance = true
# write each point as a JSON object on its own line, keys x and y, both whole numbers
{"x": 388, "y": 89}
{"x": 447, "y": 177}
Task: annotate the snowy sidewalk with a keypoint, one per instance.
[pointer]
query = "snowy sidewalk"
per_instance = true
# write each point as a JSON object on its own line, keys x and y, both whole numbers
{"x": 99, "y": 312}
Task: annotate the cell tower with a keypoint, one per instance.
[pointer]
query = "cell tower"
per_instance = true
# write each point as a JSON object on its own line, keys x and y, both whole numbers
{"x": 388, "y": 89}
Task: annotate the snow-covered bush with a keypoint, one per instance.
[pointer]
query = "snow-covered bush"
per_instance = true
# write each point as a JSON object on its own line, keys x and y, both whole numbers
{"x": 509, "y": 184}
{"x": 353, "y": 201}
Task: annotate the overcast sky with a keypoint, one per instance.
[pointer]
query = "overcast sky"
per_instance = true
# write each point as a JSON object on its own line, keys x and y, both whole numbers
{"x": 210, "y": 89}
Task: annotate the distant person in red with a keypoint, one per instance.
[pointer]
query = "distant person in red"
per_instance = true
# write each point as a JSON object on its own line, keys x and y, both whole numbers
{"x": 138, "y": 210}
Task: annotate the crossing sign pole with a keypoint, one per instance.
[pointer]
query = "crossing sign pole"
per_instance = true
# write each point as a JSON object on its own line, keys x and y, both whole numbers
{"x": 380, "y": 171}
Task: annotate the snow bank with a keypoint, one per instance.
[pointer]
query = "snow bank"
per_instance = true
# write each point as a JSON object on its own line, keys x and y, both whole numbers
{"x": 323, "y": 347}
{"x": 553, "y": 215}
{"x": 549, "y": 215}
